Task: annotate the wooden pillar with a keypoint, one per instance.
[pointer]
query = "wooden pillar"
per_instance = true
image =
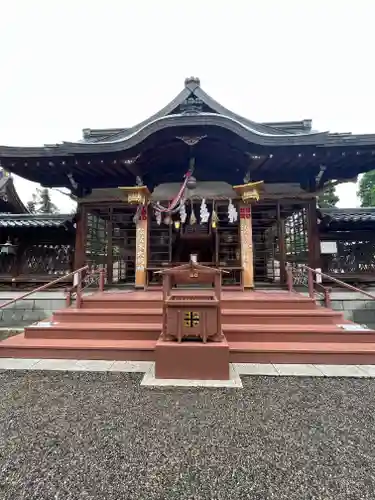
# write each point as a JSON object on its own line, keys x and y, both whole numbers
{"x": 141, "y": 249}
{"x": 246, "y": 239}
{"x": 314, "y": 260}
{"x": 80, "y": 243}
{"x": 110, "y": 247}
{"x": 282, "y": 247}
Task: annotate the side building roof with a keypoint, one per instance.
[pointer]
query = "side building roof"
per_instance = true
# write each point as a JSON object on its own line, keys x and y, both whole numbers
{"x": 333, "y": 217}
{"x": 9, "y": 199}
{"x": 32, "y": 221}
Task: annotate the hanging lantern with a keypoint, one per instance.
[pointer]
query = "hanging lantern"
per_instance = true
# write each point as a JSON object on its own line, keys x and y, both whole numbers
{"x": 168, "y": 220}
{"x": 191, "y": 182}
{"x": 8, "y": 249}
{"x": 177, "y": 224}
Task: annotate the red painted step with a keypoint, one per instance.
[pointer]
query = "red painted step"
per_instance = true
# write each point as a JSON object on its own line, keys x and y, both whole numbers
{"x": 124, "y": 305}
{"x": 265, "y": 304}
{"x": 299, "y": 352}
{"x": 240, "y": 334}
{"x": 41, "y": 348}
{"x": 107, "y": 315}
{"x": 318, "y": 316}
{"x": 230, "y": 300}
{"x": 74, "y": 330}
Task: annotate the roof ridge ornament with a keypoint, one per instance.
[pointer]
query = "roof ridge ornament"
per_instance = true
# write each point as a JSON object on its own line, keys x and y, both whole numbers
{"x": 191, "y": 140}
{"x": 192, "y": 80}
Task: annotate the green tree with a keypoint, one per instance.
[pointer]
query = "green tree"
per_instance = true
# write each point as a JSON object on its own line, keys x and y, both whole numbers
{"x": 328, "y": 198}
{"x": 41, "y": 203}
{"x": 44, "y": 203}
{"x": 31, "y": 204}
{"x": 366, "y": 191}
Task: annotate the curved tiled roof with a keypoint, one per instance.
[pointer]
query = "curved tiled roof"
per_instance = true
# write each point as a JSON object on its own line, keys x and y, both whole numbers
{"x": 193, "y": 89}
{"x": 35, "y": 220}
{"x": 8, "y": 194}
{"x": 349, "y": 214}
{"x": 122, "y": 142}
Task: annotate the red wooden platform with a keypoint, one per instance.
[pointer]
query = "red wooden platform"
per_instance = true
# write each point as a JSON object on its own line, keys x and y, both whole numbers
{"x": 261, "y": 327}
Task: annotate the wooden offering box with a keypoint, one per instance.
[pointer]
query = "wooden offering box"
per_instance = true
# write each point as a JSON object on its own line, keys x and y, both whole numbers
{"x": 192, "y": 314}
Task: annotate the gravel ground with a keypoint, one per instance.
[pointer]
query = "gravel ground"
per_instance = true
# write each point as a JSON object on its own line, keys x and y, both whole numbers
{"x": 101, "y": 436}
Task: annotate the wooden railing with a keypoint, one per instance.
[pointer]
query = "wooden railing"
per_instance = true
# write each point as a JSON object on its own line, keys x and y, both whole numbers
{"x": 82, "y": 281}
{"x": 303, "y": 275}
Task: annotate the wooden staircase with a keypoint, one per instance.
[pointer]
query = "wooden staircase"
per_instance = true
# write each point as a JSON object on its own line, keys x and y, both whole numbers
{"x": 260, "y": 327}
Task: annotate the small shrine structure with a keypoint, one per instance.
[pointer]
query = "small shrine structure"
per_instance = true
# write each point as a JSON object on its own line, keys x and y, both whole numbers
{"x": 192, "y": 314}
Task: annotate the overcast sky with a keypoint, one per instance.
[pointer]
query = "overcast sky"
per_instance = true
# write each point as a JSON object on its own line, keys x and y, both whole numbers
{"x": 67, "y": 65}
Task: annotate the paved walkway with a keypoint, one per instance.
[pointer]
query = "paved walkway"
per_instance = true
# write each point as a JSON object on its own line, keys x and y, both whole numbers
{"x": 237, "y": 370}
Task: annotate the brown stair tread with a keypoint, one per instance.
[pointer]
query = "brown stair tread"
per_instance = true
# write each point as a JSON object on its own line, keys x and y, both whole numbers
{"x": 282, "y": 312}
{"x": 308, "y": 347}
{"x": 32, "y": 343}
{"x": 225, "y": 312}
{"x": 99, "y": 326}
{"x": 108, "y": 310}
{"x": 295, "y": 328}
{"x": 155, "y": 295}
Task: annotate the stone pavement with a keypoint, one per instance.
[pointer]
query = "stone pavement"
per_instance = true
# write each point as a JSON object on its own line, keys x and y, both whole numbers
{"x": 237, "y": 370}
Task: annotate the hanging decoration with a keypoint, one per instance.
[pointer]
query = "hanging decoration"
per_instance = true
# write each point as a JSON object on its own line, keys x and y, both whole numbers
{"x": 143, "y": 215}
{"x": 204, "y": 213}
{"x": 214, "y": 219}
{"x": 193, "y": 219}
{"x": 140, "y": 214}
{"x": 175, "y": 203}
{"x": 232, "y": 212}
{"x": 157, "y": 217}
{"x": 183, "y": 214}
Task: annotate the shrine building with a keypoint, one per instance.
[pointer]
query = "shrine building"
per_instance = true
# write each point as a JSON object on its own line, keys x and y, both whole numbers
{"x": 196, "y": 178}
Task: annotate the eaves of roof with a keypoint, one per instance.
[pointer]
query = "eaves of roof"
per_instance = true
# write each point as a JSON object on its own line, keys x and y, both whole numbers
{"x": 35, "y": 220}
{"x": 345, "y": 215}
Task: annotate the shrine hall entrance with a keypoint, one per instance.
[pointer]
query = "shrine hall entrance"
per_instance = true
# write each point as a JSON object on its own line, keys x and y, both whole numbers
{"x": 280, "y": 235}
{"x": 202, "y": 245}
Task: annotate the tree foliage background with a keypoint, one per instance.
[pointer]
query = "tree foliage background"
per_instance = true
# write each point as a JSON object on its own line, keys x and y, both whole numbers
{"x": 328, "y": 198}
{"x": 366, "y": 191}
{"x": 41, "y": 203}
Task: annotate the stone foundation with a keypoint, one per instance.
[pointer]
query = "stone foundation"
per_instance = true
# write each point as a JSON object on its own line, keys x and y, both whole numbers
{"x": 355, "y": 306}
{"x": 37, "y": 307}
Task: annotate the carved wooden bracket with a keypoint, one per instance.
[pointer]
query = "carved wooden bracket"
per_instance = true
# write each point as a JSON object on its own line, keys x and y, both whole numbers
{"x": 136, "y": 195}
{"x": 249, "y": 191}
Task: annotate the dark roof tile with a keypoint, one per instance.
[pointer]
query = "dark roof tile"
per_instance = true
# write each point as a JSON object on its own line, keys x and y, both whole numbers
{"x": 348, "y": 214}
{"x": 35, "y": 220}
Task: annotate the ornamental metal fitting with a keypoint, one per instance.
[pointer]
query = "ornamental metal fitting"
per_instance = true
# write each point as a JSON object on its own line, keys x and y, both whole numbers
{"x": 191, "y": 140}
